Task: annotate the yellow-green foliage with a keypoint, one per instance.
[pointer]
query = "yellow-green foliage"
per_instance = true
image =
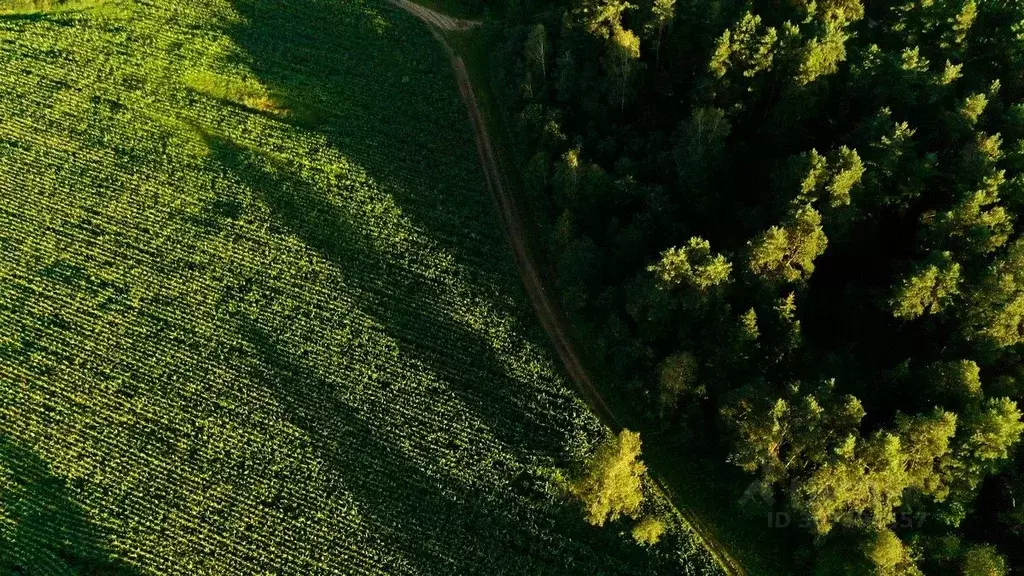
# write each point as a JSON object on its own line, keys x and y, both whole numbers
{"x": 246, "y": 92}
{"x": 693, "y": 265}
{"x": 884, "y": 550}
{"x": 787, "y": 253}
{"x": 613, "y": 483}
{"x": 239, "y": 345}
{"x": 984, "y": 561}
{"x": 25, "y": 7}
{"x": 889, "y": 556}
{"x": 648, "y": 531}
{"x": 928, "y": 288}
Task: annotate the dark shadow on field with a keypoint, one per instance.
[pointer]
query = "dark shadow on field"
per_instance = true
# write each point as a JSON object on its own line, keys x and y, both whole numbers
{"x": 403, "y": 302}
{"x": 428, "y": 522}
{"x": 332, "y": 77}
{"x": 31, "y": 17}
{"x": 440, "y": 527}
{"x": 392, "y": 109}
{"x": 42, "y": 530}
{"x": 328, "y": 65}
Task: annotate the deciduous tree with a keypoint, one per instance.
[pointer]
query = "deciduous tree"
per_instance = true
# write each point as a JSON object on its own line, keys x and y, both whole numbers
{"x": 612, "y": 485}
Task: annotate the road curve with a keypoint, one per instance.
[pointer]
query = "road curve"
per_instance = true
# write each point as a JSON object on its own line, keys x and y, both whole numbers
{"x": 549, "y": 314}
{"x": 435, "y": 19}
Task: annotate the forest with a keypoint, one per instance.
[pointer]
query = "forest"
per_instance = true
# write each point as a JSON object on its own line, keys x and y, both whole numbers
{"x": 789, "y": 231}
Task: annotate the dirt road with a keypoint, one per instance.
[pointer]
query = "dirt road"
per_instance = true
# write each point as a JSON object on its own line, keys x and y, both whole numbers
{"x": 435, "y": 19}
{"x": 552, "y": 318}
{"x": 548, "y": 312}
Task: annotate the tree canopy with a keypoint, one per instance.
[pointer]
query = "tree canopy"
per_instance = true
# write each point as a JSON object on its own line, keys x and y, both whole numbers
{"x": 611, "y": 486}
{"x": 789, "y": 229}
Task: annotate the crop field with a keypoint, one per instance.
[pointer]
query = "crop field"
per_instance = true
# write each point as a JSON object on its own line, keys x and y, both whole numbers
{"x": 256, "y": 312}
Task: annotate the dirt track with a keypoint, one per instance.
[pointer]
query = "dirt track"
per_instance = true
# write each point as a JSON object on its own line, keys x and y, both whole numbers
{"x": 435, "y": 19}
{"x": 551, "y": 317}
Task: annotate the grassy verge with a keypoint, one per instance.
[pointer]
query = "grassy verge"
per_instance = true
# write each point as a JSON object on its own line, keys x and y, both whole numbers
{"x": 710, "y": 489}
{"x": 472, "y": 46}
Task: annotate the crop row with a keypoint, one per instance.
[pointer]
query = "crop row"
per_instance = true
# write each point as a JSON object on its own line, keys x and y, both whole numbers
{"x": 277, "y": 341}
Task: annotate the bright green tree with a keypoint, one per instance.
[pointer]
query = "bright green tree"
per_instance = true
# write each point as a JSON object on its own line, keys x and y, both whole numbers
{"x": 954, "y": 383}
{"x": 925, "y": 443}
{"x": 984, "y": 560}
{"x": 846, "y": 171}
{"x": 859, "y": 487}
{"x": 928, "y": 288}
{"x": 787, "y": 253}
{"x": 889, "y": 556}
{"x": 648, "y": 531}
{"x": 612, "y": 485}
{"x": 978, "y": 222}
{"x": 997, "y": 311}
{"x": 973, "y": 106}
{"x": 983, "y": 443}
{"x": 821, "y": 56}
{"x": 693, "y": 265}
{"x": 866, "y": 479}
{"x": 601, "y": 18}
{"x": 748, "y": 47}
{"x": 993, "y": 431}
{"x": 787, "y": 437}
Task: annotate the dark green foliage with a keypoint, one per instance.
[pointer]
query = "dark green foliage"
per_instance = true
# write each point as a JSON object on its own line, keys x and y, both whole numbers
{"x": 859, "y": 170}
{"x": 42, "y": 529}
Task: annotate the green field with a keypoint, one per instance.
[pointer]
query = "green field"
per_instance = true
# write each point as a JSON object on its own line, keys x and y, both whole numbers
{"x": 256, "y": 312}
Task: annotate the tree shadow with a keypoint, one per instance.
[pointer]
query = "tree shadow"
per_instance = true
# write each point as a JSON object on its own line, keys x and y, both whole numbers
{"x": 42, "y": 530}
{"x": 30, "y": 17}
{"x": 336, "y": 68}
{"x": 401, "y": 300}
{"x": 330, "y": 65}
{"x": 342, "y": 70}
{"x": 440, "y": 526}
